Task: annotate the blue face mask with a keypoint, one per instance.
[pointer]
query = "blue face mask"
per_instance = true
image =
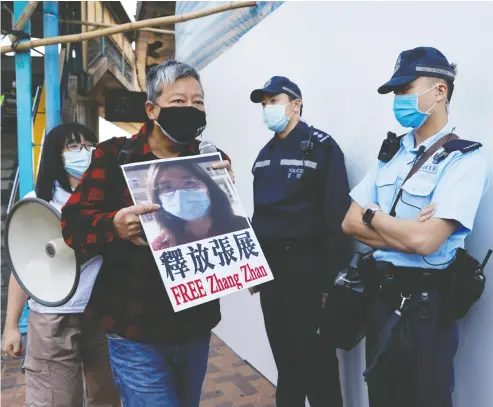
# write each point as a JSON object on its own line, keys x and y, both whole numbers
{"x": 275, "y": 117}
{"x": 77, "y": 162}
{"x": 185, "y": 204}
{"x": 407, "y": 112}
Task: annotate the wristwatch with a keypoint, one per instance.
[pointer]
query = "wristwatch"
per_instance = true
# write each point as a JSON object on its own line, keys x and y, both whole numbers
{"x": 369, "y": 214}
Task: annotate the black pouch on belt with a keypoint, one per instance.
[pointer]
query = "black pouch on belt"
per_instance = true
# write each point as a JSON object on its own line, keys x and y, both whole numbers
{"x": 345, "y": 312}
{"x": 468, "y": 282}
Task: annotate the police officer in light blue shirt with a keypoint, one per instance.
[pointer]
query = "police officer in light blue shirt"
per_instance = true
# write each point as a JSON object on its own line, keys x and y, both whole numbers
{"x": 416, "y": 227}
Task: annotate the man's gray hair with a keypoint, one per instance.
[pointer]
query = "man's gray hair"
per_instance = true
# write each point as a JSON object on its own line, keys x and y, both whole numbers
{"x": 167, "y": 74}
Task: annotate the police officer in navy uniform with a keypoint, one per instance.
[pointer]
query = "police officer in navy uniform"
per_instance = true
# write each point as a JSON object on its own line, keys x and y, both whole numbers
{"x": 301, "y": 195}
{"x": 417, "y": 241}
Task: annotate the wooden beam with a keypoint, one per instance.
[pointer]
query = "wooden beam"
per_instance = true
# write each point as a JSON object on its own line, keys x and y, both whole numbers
{"x": 104, "y": 25}
{"x": 133, "y": 26}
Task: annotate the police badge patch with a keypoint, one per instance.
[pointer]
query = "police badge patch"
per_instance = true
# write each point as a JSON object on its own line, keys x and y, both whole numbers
{"x": 440, "y": 155}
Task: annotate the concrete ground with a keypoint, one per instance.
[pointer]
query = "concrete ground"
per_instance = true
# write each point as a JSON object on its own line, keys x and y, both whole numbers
{"x": 229, "y": 382}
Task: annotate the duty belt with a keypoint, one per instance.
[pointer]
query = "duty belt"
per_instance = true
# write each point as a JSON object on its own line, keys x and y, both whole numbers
{"x": 290, "y": 244}
{"x": 411, "y": 279}
{"x": 397, "y": 286}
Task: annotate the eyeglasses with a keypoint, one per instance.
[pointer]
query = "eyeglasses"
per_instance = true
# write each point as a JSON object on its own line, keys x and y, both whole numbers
{"x": 168, "y": 189}
{"x": 78, "y": 146}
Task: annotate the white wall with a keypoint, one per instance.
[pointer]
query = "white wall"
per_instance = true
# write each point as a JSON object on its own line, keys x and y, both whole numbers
{"x": 339, "y": 53}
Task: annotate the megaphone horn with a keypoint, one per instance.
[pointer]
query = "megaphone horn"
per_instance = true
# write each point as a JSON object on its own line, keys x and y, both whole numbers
{"x": 45, "y": 267}
{"x": 57, "y": 247}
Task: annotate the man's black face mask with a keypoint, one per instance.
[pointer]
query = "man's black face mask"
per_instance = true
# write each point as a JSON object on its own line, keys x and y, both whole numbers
{"x": 182, "y": 124}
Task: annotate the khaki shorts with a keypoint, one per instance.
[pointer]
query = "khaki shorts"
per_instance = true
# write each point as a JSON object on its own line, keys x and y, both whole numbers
{"x": 66, "y": 356}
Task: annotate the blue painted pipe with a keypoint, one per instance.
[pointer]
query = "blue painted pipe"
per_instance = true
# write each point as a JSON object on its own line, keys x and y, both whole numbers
{"x": 52, "y": 69}
{"x": 24, "y": 110}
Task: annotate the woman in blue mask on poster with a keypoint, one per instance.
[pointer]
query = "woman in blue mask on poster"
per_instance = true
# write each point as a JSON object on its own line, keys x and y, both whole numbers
{"x": 193, "y": 206}
{"x": 65, "y": 354}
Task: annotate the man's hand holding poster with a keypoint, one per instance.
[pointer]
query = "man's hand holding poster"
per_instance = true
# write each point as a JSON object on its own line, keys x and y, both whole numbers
{"x": 201, "y": 239}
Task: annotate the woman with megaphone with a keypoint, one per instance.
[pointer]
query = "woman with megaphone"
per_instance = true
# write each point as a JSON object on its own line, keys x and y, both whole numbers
{"x": 64, "y": 351}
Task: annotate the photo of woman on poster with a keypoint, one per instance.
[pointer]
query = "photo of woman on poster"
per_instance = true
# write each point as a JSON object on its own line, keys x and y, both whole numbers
{"x": 193, "y": 205}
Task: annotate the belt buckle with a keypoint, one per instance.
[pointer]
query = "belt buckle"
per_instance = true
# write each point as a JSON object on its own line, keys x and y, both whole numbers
{"x": 423, "y": 306}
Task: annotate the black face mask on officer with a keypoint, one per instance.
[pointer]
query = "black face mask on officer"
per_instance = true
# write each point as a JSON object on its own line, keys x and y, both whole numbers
{"x": 181, "y": 124}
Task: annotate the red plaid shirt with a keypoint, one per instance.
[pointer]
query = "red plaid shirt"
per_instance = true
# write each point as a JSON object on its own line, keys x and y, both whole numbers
{"x": 128, "y": 296}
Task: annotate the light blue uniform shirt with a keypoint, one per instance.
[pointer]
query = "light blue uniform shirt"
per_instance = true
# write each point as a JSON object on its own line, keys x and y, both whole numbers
{"x": 455, "y": 185}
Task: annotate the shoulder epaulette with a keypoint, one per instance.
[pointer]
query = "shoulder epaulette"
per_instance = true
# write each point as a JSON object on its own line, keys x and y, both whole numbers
{"x": 320, "y": 136}
{"x": 464, "y": 146}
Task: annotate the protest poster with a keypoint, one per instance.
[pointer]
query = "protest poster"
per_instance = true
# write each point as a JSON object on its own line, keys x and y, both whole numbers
{"x": 201, "y": 238}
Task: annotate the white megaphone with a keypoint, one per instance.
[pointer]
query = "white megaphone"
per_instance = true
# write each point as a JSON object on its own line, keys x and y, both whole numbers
{"x": 45, "y": 267}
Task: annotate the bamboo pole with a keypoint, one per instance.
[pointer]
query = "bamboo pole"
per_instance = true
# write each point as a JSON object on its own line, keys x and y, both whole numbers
{"x": 104, "y": 25}
{"x": 24, "y": 18}
{"x": 66, "y": 39}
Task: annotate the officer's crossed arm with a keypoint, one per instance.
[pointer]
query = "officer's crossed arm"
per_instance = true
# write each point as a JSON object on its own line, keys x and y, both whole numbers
{"x": 455, "y": 203}
{"x": 353, "y": 225}
{"x": 364, "y": 193}
{"x": 456, "y": 199}
{"x": 413, "y": 236}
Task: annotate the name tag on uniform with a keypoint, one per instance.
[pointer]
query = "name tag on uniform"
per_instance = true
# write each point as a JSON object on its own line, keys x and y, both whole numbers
{"x": 430, "y": 168}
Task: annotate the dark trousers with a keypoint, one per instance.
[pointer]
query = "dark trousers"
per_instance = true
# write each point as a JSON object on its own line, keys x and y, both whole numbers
{"x": 291, "y": 305}
{"x": 417, "y": 370}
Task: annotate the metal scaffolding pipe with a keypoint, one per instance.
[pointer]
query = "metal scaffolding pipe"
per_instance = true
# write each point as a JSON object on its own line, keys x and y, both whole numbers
{"x": 153, "y": 22}
{"x": 90, "y": 24}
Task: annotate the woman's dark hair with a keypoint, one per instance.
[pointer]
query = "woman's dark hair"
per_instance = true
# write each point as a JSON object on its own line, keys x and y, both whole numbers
{"x": 221, "y": 210}
{"x": 51, "y": 167}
